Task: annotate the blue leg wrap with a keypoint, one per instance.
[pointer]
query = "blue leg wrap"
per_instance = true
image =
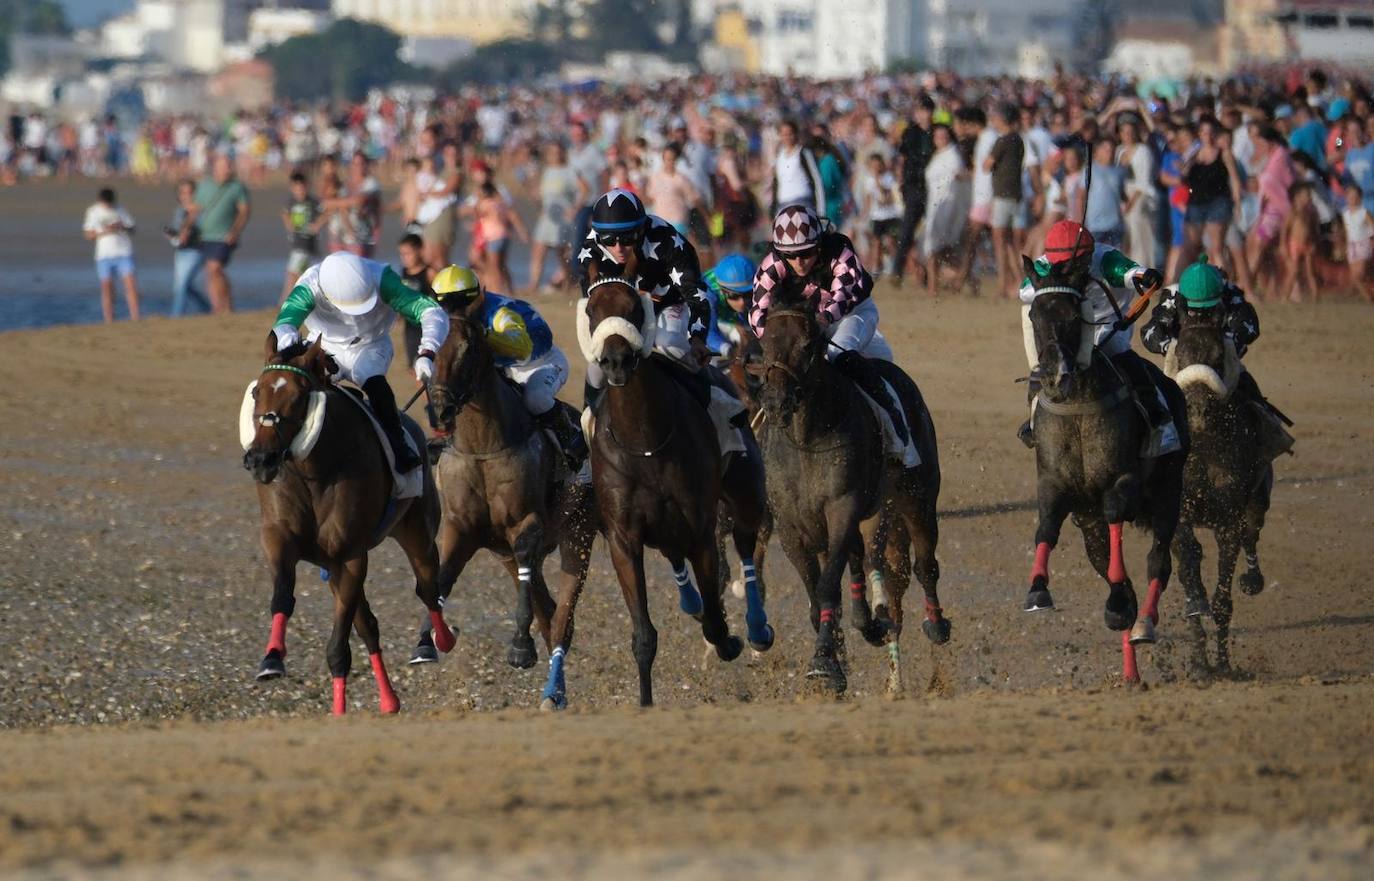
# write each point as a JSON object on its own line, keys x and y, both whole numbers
{"x": 554, "y": 687}
{"x": 688, "y": 599}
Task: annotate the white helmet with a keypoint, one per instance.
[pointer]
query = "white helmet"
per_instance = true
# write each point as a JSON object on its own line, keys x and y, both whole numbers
{"x": 347, "y": 284}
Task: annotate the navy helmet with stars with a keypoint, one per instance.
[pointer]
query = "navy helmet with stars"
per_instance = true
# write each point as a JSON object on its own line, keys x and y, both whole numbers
{"x": 618, "y": 211}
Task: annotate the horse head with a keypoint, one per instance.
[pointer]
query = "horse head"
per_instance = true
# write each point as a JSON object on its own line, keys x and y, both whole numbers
{"x": 463, "y": 363}
{"x": 1062, "y": 323}
{"x": 793, "y": 345}
{"x": 1201, "y": 362}
{"x": 616, "y": 324}
{"x": 288, "y": 406}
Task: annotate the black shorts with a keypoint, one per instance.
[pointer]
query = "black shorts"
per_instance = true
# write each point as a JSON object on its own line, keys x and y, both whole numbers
{"x": 884, "y": 228}
{"x": 217, "y": 252}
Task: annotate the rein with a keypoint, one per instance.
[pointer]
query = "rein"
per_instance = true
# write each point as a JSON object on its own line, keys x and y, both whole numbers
{"x": 610, "y": 432}
{"x": 1104, "y": 404}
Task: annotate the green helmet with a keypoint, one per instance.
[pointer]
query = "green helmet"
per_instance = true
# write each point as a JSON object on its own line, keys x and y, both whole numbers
{"x": 1201, "y": 284}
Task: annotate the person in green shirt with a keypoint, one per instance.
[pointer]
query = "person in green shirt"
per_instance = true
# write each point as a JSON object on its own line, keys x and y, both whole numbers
{"x": 222, "y": 213}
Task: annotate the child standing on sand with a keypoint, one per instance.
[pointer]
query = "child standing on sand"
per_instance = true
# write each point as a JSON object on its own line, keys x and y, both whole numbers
{"x": 1298, "y": 244}
{"x": 109, "y": 226}
{"x": 1359, "y": 239}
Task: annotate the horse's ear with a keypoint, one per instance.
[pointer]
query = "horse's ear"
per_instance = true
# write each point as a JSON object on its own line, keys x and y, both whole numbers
{"x": 269, "y": 349}
{"x": 593, "y": 271}
{"x": 318, "y": 361}
{"x": 1029, "y": 266}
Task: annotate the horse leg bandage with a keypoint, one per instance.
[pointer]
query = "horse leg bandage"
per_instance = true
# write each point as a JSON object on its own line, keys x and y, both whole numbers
{"x": 386, "y": 695}
{"x": 277, "y": 641}
{"x": 1116, "y": 567}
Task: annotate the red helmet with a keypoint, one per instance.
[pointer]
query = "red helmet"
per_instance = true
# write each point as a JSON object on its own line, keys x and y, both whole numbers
{"x": 1067, "y": 240}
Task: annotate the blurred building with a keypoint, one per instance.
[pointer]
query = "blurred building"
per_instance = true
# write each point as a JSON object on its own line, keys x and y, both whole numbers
{"x": 1252, "y": 35}
{"x": 1338, "y": 31}
{"x": 203, "y": 35}
{"x": 477, "y": 21}
{"x": 999, "y": 36}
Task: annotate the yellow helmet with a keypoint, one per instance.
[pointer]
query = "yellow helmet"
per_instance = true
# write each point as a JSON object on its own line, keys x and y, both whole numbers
{"x": 456, "y": 281}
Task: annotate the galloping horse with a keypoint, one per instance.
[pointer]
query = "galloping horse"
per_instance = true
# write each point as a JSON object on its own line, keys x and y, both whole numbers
{"x": 502, "y": 486}
{"x": 836, "y": 500}
{"x": 325, "y": 489}
{"x": 1088, "y": 463}
{"x": 1227, "y": 481}
{"x": 657, "y": 478}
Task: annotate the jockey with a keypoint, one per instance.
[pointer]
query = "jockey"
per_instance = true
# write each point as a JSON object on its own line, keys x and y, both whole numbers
{"x": 668, "y": 272}
{"x": 1068, "y": 241}
{"x": 731, "y": 283}
{"x": 350, "y": 302}
{"x": 524, "y": 351}
{"x": 1201, "y": 287}
{"x": 825, "y": 260}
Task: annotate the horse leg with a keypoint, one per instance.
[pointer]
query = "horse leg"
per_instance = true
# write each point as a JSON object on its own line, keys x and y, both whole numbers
{"x": 842, "y": 522}
{"x": 627, "y": 556}
{"x": 1053, "y": 509}
{"x": 1098, "y": 542}
{"x": 758, "y": 630}
{"x": 281, "y": 559}
{"x": 1189, "y": 552}
{"x": 897, "y": 557}
{"x": 805, "y": 563}
{"x": 365, "y": 623}
{"x": 1252, "y": 579}
{"x": 1121, "y": 607}
{"x": 346, "y": 582}
{"x": 870, "y": 626}
{"x": 575, "y": 555}
{"x": 924, "y": 530}
{"x": 688, "y": 597}
{"x": 1228, "y": 548}
{"x": 706, "y": 565}
{"x": 528, "y": 546}
{"x": 1159, "y": 566}
{"x": 452, "y": 556}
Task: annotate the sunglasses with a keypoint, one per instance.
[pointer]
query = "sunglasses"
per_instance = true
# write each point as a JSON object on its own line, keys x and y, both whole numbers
{"x": 610, "y": 240}
{"x": 803, "y": 255}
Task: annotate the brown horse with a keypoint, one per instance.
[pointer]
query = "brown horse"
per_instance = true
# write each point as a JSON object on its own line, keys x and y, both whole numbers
{"x": 502, "y": 486}
{"x": 658, "y": 483}
{"x": 324, "y": 486}
{"x": 836, "y": 501}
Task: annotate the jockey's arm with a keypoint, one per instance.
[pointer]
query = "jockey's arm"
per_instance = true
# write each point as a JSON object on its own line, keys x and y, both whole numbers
{"x": 1162, "y": 330}
{"x": 850, "y": 285}
{"x": 684, "y": 273}
{"x": 416, "y": 309}
{"x": 770, "y": 273}
{"x": 521, "y": 335}
{"x": 1242, "y": 322}
{"x": 292, "y": 314}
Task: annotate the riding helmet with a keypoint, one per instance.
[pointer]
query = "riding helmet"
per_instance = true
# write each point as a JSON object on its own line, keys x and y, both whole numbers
{"x": 736, "y": 274}
{"x": 618, "y": 211}
{"x": 796, "y": 228}
{"x": 347, "y": 283}
{"x": 456, "y": 282}
{"x": 1067, "y": 240}
{"x": 1201, "y": 285}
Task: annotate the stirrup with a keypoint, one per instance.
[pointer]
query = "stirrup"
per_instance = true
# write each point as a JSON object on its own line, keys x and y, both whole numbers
{"x": 1026, "y": 434}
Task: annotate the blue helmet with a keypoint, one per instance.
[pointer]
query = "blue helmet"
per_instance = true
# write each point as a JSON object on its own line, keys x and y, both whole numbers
{"x": 735, "y": 273}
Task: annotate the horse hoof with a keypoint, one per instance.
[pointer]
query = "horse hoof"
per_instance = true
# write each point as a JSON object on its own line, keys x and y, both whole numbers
{"x": 1252, "y": 582}
{"x": 763, "y": 641}
{"x": 445, "y": 638}
{"x": 1038, "y": 600}
{"x": 1143, "y": 633}
{"x": 272, "y": 667}
{"x": 826, "y": 671}
{"x": 729, "y": 648}
{"x": 522, "y": 656}
{"x": 875, "y": 633}
{"x": 390, "y": 705}
{"x": 1197, "y": 608}
{"x": 425, "y": 653}
{"x": 1120, "y": 611}
{"x": 936, "y": 631}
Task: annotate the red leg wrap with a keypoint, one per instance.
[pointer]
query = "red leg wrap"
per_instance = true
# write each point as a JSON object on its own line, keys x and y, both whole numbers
{"x": 827, "y": 616}
{"x": 443, "y": 636}
{"x": 1116, "y": 569}
{"x": 1041, "y": 569}
{"x": 1152, "y": 600}
{"x": 856, "y": 590}
{"x": 277, "y": 641}
{"x": 389, "y": 702}
{"x": 1129, "y": 673}
{"x": 340, "y": 695}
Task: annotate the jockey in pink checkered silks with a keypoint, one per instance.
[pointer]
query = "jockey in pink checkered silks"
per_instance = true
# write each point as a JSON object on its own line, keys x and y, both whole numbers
{"x": 824, "y": 262}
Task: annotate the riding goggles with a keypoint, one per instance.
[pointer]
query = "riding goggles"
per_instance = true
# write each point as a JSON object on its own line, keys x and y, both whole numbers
{"x": 611, "y": 239}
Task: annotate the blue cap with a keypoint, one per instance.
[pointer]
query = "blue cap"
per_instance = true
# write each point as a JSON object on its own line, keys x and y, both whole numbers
{"x": 735, "y": 273}
{"x": 1340, "y": 107}
{"x": 1283, "y": 111}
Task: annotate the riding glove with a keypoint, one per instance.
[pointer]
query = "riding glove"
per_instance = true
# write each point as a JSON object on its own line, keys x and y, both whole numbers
{"x": 424, "y": 368}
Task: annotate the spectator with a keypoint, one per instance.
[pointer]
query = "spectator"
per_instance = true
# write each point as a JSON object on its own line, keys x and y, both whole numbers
{"x": 882, "y": 206}
{"x": 1136, "y": 160}
{"x": 561, "y": 191}
{"x": 1307, "y": 134}
{"x": 1298, "y": 244}
{"x": 438, "y": 200}
{"x": 187, "y": 260}
{"x": 224, "y": 212}
{"x": 670, "y": 194}
{"x": 1359, "y": 239}
{"x": 1005, "y": 162}
{"x": 1106, "y": 196}
{"x": 1213, "y": 191}
{"x": 303, "y": 218}
{"x": 946, "y": 203}
{"x": 914, "y": 152}
{"x": 796, "y": 177}
{"x": 417, "y": 275}
{"x": 834, "y": 171}
{"x": 110, "y": 226}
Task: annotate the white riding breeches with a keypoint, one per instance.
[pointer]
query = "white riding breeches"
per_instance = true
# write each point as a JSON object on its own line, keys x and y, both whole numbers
{"x": 360, "y": 361}
{"x": 858, "y": 332}
{"x": 541, "y": 379}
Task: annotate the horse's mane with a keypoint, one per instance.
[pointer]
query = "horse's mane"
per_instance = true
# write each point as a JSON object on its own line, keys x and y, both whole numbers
{"x": 292, "y": 352}
{"x": 790, "y": 294}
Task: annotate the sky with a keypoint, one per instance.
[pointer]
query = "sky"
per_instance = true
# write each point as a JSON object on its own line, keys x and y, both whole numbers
{"x": 83, "y": 13}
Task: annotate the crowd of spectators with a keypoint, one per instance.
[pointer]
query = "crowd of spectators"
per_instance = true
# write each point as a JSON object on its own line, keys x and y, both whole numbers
{"x": 940, "y": 179}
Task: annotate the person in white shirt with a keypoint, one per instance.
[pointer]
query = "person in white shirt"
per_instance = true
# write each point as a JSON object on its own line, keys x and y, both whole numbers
{"x": 109, "y": 227}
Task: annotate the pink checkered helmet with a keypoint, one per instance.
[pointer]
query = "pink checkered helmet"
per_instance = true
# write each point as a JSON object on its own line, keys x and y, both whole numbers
{"x": 796, "y": 228}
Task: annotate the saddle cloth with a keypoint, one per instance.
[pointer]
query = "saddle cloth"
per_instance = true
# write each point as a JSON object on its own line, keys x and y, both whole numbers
{"x": 403, "y": 486}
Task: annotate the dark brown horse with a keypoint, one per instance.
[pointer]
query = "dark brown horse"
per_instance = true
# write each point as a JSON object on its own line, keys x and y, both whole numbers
{"x": 325, "y": 489}
{"x": 836, "y": 500}
{"x": 1227, "y": 481}
{"x": 502, "y": 485}
{"x": 1089, "y": 435}
{"x": 657, "y": 478}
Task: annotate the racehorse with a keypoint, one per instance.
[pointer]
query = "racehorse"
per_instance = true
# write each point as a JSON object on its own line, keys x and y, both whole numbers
{"x": 836, "y": 500}
{"x": 1227, "y": 481}
{"x": 325, "y": 490}
{"x": 1089, "y": 435}
{"x": 657, "y": 480}
{"x": 502, "y": 485}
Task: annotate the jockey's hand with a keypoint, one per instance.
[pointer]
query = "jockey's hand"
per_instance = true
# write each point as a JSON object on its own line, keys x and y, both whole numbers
{"x": 1148, "y": 280}
{"x": 700, "y": 354}
{"x": 287, "y": 336}
{"x": 424, "y": 367}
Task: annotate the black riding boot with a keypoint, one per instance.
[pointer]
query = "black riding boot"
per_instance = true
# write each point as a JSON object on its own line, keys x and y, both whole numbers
{"x": 1026, "y": 433}
{"x": 1133, "y": 367}
{"x": 866, "y": 376}
{"x": 1274, "y": 437}
{"x": 384, "y": 408}
{"x": 591, "y": 395}
{"x": 562, "y": 420}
